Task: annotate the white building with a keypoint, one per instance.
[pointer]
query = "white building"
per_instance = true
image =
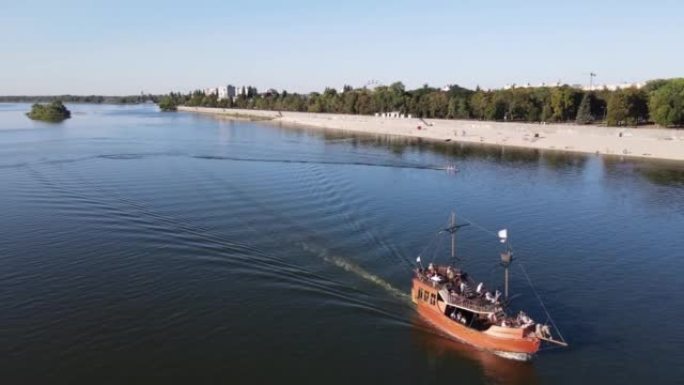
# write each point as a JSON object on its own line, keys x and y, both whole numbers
{"x": 585, "y": 87}
{"x": 211, "y": 91}
{"x": 614, "y": 87}
{"x": 226, "y": 92}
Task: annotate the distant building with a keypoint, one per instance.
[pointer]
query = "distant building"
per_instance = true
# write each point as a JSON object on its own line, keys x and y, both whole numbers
{"x": 614, "y": 87}
{"x": 526, "y": 85}
{"x": 594, "y": 87}
{"x": 226, "y": 92}
{"x": 211, "y": 91}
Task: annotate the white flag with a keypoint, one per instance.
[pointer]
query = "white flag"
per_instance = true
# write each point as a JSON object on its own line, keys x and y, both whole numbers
{"x": 503, "y": 235}
{"x": 418, "y": 259}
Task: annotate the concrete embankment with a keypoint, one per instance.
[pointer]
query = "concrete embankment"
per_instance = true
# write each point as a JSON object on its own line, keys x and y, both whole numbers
{"x": 657, "y": 143}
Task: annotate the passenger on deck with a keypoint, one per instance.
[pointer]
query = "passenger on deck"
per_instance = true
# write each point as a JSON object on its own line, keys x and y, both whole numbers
{"x": 479, "y": 288}
{"x": 493, "y": 298}
{"x": 524, "y": 319}
{"x": 461, "y": 318}
{"x": 431, "y": 270}
{"x": 450, "y": 273}
{"x": 543, "y": 331}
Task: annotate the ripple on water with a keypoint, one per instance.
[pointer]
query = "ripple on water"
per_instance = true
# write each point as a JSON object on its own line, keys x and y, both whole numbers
{"x": 199, "y": 247}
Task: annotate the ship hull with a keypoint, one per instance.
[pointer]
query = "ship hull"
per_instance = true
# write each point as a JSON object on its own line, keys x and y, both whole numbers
{"x": 507, "y": 342}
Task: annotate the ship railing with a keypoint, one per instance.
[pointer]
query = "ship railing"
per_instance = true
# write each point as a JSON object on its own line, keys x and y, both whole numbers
{"x": 473, "y": 305}
{"x": 424, "y": 278}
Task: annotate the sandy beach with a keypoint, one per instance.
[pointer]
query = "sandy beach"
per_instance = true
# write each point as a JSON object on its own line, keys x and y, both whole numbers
{"x": 656, "y": 143}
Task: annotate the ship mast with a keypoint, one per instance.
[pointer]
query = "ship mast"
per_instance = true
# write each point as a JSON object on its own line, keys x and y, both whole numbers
{"x": 506, "y": 258}
{"x": 453, "y": 236}
{"x": 453, "y": 227}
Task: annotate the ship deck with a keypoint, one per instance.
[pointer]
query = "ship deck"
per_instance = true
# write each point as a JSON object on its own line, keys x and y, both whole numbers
{"x": 471, "y": 301}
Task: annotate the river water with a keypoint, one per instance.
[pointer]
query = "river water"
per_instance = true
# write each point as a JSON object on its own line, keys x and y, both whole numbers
{"x": 147, "y": 247}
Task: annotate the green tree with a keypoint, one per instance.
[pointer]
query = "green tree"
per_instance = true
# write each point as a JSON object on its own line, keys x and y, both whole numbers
{"x": 584, "y": 111}
{"x": 349, "y": 99}
{"x": 167, "y": 103}
{"x": 463, "y": 110}
{"x": 547, "y": 113}
{"x": 452, "y": 109}
{"x": 637, "y": 101}
{"x": 618, "y": 109}
{"x": 210, "y": 100}
{"x": 364, "y": 103}
{"x": 241, "y": 101}
{"x": 315, "y": 103}
{"x": 396, "y": 97}
{"x": 496, "y": 110}
{"x": 667, "y": 104}
{"x": 196, "y": 99}
{"x": 564, "y": 102}
{"x": 478, "y": 104}
{"x": 655, "y": 84}
{"x": 626, "y": 107}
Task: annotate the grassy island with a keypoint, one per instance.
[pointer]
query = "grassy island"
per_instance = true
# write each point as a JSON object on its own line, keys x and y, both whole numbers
{"x": 53, "y": 112}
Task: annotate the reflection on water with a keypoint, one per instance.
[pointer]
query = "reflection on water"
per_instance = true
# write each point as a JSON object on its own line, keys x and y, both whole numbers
{"x": 657, "y": 171}
{"x": 660, "y": 172}
{"x": 664, "y": 177}
{"x": 400, "y": 144}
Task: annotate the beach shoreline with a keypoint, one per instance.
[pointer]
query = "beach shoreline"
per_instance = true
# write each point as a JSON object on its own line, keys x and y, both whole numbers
{"x": 647, "y": 143}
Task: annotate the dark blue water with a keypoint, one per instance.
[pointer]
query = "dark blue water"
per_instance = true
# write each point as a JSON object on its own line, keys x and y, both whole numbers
{"x": 146, "y": 247}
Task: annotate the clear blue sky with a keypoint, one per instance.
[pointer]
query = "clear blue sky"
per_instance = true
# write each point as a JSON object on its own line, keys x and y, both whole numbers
{"x": 123, "y": 46}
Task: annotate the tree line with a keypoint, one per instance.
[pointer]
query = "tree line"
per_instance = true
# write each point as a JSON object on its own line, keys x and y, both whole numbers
{"x": 92, "y": 99}
{"x": 659, "y": 101}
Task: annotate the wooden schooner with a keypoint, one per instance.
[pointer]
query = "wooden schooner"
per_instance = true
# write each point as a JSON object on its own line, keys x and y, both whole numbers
{"x": 450, "y": 300}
